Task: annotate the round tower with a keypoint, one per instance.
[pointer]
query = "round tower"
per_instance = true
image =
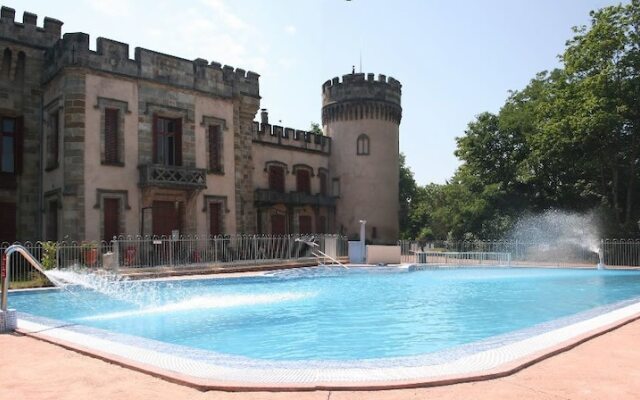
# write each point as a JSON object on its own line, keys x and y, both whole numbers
{"x": 362, "y": 116}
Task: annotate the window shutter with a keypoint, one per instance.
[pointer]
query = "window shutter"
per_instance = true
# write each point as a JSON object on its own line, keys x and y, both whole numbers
{"x": 19, "y": 145}
{"x": 111, "y": 136}
{"x": 111, "y": 218}
{"x": 215, "y": 219}
{"x": 323, "y": 183}
{"x": 214, "y": 148}
{"x": 276, "y": 178}
{"x": 178, "y": 134}
{"x": 154, "y": 133}
{"x": 303, "y": 181}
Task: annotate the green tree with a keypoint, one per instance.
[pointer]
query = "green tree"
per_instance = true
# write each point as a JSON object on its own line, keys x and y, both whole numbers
{"x": 407, "y": 192}
{"x": 315, "y": 128}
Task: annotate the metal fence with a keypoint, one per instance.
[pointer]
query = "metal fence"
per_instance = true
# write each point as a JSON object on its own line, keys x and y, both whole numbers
{"x": 136, "y": 252}
{"x": 184, "y": 251}
{"x": 616, "y": 252}
{"x": 463, "y": 258}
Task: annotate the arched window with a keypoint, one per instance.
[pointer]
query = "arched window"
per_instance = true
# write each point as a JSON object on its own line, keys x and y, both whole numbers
{"x": 362, "y": 145}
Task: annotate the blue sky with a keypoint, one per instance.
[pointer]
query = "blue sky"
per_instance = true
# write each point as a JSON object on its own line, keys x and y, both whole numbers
{"x": 455, "y": 59}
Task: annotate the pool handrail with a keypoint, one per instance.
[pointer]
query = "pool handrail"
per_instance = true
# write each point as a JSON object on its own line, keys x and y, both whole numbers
{"x": 6, "y": 275}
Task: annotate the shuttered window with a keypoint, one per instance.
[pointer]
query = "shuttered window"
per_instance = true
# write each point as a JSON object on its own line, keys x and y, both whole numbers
{"x": 215, "y": 148}
{"x": 278, "y": 224}
{"x": 304, "y": 224}
{"x": 111, "y": 215}
{"x": 111, "y": 136}
{"x": 323, "y": 183}
{"x": 276, "y": 178}
{"x": 303, "y": 181}
{"x": 215, "y": 218}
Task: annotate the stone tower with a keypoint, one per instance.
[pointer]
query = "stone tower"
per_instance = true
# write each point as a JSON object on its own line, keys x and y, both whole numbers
{"x": 362, "y": 116}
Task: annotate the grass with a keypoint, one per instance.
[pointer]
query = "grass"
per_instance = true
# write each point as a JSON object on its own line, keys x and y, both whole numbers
{"x": 36, "y": 281}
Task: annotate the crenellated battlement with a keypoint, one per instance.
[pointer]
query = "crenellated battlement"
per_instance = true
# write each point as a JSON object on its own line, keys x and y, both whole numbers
{"x": 361, "y": 96}
{"x": 113, "y": 57}
{"x": 360, "y": 85}
{"x": 290, "y": 138}
{"x": 28, "y": 32}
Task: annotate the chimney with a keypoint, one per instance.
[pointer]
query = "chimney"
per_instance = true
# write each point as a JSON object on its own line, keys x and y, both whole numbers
{"x": 264, "y": 116}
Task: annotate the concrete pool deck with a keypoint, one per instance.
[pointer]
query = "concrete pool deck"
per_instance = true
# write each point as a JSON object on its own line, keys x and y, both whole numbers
{"x": 607, "y": 366}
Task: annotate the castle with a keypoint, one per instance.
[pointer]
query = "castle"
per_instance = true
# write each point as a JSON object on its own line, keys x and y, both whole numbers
{"x": 95, "y": 144}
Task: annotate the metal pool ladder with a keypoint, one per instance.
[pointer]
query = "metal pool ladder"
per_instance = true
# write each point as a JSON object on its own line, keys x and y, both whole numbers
{"x": 321, "y": 256}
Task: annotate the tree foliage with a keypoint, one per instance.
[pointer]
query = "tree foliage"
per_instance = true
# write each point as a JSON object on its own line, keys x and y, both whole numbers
{"x": 569, "y": 140}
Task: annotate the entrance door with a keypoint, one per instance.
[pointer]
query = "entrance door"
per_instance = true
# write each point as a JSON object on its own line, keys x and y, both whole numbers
{"x": 166, "y": 217}
{"x": 304, "y": 222}
{"x": 278, "y": 224}
{"x": 7, "y": 222}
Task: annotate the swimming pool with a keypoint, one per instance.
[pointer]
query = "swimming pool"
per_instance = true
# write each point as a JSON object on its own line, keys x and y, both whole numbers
{"x": 334, "y": 318}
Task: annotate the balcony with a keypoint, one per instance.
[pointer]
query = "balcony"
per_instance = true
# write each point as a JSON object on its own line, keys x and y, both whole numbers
{"x": 266, "y": 197}
{"x": 175, "y": 177}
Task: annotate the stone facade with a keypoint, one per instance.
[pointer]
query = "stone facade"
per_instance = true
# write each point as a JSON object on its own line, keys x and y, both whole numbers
{"x": 186, "y": 142}
{"x": 362, "y": 115}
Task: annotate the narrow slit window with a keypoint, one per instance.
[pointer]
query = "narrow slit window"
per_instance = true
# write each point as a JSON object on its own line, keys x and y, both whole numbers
{"x": 111, "y": 136}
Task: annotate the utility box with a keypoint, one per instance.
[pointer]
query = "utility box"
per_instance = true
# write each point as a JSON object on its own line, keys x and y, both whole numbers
{"x": 383, "y": 254}
{"x": 109, "y": 261}
{"x": 356, "y": 252}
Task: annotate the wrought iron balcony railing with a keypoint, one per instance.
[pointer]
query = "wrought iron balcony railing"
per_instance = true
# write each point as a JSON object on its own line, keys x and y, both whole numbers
{"x": 266, "y": 196}
{"x": 173, "y": 176}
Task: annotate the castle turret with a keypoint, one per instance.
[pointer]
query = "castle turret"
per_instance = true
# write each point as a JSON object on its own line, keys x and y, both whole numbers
{"x": 362, "y": 116}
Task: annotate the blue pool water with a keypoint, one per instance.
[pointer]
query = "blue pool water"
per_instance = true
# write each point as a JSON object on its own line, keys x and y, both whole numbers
{"x": 337, "y": 314}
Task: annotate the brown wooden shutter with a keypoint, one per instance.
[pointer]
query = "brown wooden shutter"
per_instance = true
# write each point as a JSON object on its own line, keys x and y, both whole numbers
{"x": 178, "y": 133}
{"x": 304, "y": 224}
{"x": 215, "y": 219}
{"x": 154, "y": 133}
{"x": 111, "y": 155}
{"x": 215, "y": 140}
{"x": 18, "y": 148}
{"x": 323, "y": 183}
{"x": 278, "y": 224}
{"x": 276, "y": 178}
{"x": 111, "y": 214}
{"x": 303, "y": 183}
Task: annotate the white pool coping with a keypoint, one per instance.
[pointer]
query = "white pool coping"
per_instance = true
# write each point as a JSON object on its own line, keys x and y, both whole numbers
{"x": 214, "y": 370}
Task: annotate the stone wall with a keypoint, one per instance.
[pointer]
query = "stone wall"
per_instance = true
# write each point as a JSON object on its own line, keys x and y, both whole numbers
{"x": 113, "y": 57}
{"x": 21, "y": 96}
{"x": 245, "y": 109}
{"x": 73, "y": 155}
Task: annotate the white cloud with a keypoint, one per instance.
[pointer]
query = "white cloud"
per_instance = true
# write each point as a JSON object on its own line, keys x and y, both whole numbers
{"x": 290, "y": 29}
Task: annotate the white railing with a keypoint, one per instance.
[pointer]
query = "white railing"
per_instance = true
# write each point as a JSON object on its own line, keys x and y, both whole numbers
{"x": 616, "y": 252}
{"x": 463, "y": 258}
{"x": 181, "y": 252}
